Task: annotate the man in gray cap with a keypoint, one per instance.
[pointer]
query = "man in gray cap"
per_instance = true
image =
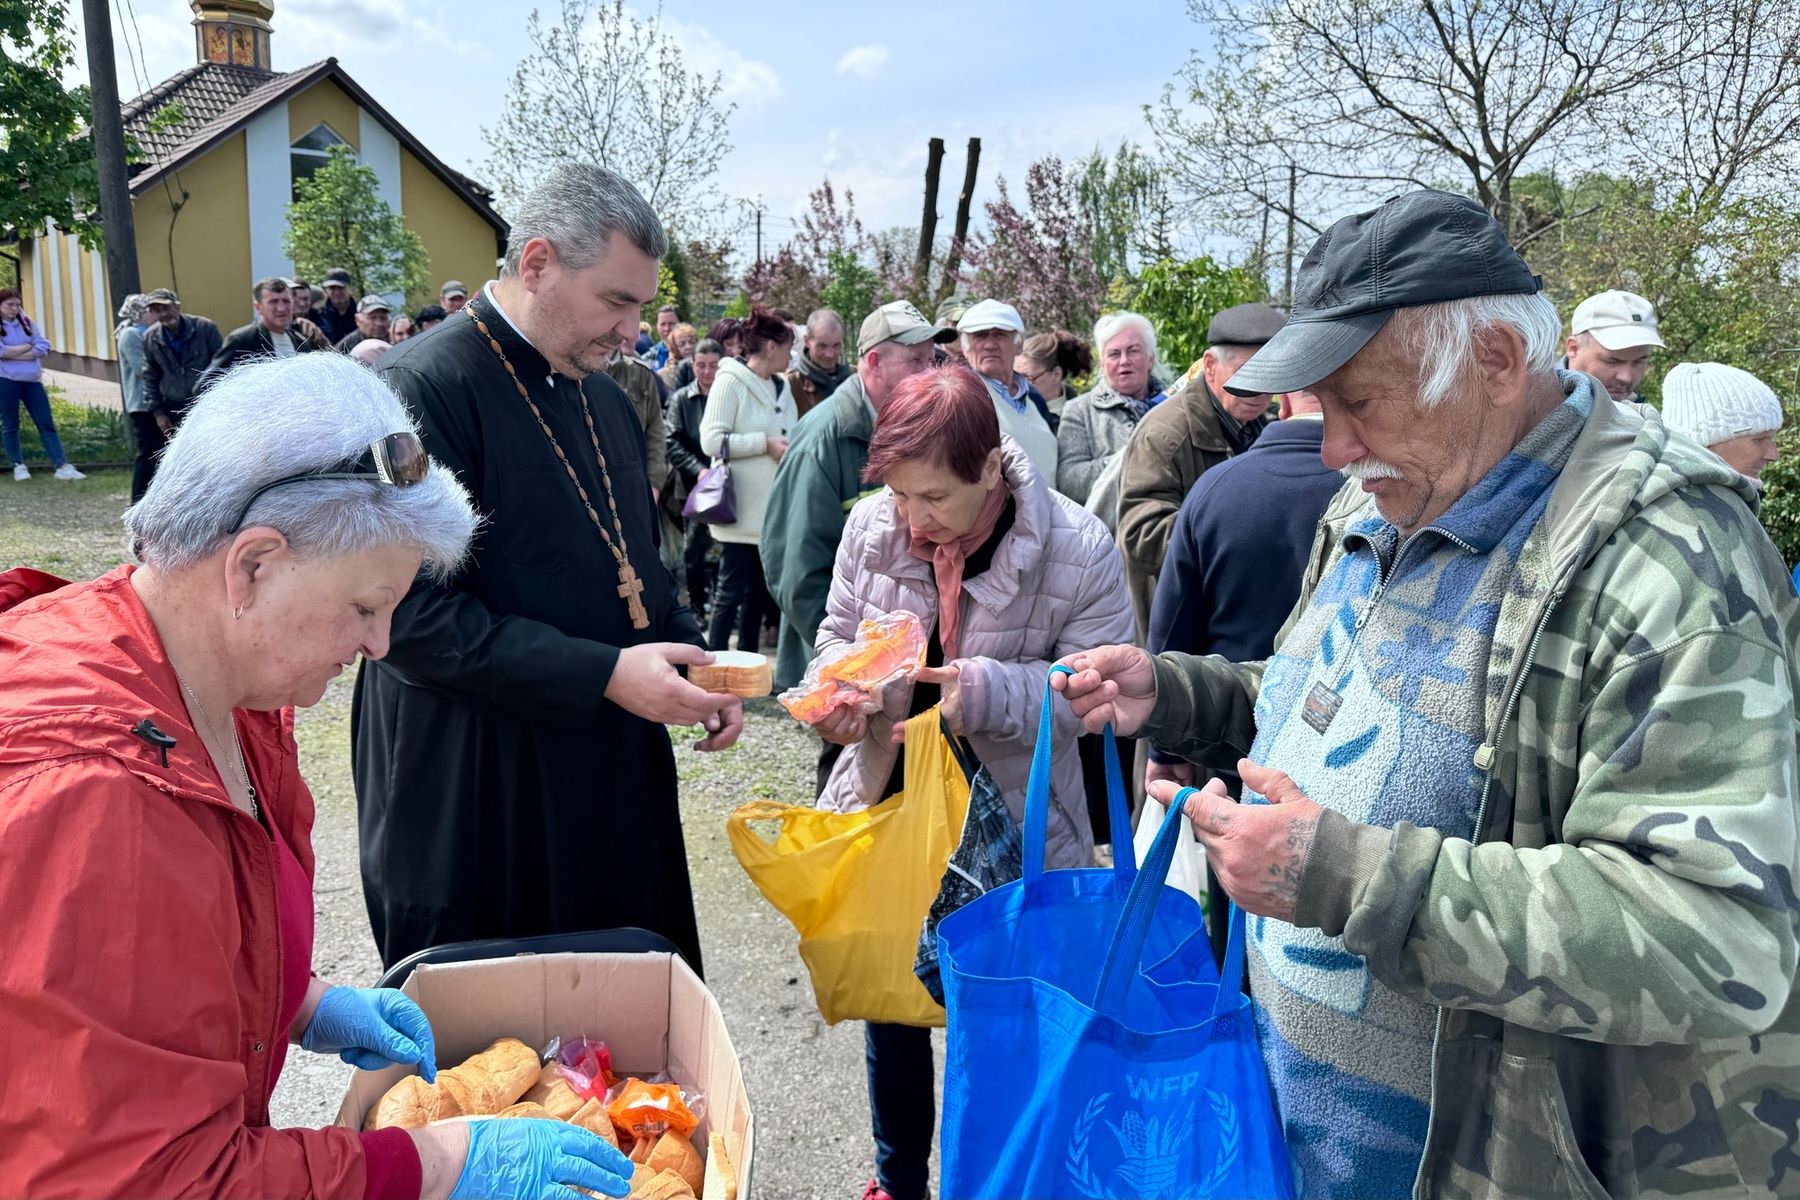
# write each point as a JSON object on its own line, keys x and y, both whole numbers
{"x": 372, "y": 321}
{"x": 336, "y": 318}
{"x": 1198, "y": 427}
{"x": 453, "y": 295}
{"x": 1518, "y": 833}
{"x": 820, "y": 477}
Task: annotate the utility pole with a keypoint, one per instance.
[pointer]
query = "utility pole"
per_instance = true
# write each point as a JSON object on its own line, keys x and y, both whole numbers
{"x": 109, "y": 152}
{"x": 759, "y": 213}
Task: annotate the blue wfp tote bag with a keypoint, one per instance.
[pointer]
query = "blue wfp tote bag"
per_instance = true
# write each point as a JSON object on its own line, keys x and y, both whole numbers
{"x": 1093, "y": 1052}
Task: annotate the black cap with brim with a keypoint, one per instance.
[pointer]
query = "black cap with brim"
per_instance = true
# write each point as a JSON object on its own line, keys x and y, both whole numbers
{"x": 1304, "y": 352}
{"x": 1423, "y": 247}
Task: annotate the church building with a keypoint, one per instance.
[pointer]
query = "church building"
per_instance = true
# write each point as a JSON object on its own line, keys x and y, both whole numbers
{"x": 219, "y": 148}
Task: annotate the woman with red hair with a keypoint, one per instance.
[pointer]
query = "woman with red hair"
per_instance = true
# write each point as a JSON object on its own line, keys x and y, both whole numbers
{"x": 1009, "y": 576}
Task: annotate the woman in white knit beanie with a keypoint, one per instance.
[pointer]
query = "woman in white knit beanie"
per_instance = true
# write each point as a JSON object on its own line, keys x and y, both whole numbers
{"x": 1730, "y": 412}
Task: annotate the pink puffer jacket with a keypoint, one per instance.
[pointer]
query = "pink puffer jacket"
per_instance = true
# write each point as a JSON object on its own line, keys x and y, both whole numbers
{"x": 1056, "y": 585}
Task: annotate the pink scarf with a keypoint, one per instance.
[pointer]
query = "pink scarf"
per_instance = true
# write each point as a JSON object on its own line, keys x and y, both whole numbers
{"x": 947, "y": 561}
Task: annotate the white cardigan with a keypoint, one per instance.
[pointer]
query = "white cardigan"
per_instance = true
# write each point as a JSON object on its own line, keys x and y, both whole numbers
{"x": 745, "y": 409}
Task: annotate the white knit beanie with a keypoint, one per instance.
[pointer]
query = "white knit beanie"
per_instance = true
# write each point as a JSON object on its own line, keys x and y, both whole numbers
{"x": 1713, "y": 403}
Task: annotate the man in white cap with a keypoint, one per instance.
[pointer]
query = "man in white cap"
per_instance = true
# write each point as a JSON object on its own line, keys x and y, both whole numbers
{"x": 992, "y": 333}
{"x": 1610, "y": 338}
{"x": 1731, "y": 412}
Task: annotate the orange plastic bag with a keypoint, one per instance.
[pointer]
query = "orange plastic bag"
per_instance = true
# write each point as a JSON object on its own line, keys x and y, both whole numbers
{"x": 649, "y": 1110}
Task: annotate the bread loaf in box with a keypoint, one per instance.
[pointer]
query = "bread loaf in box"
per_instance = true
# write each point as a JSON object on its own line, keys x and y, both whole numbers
{"x": 482, "y": 1086}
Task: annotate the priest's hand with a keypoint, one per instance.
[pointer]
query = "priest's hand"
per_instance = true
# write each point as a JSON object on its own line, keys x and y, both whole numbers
{"x": 723, "y": 729}
{"x": 645, "y": 682}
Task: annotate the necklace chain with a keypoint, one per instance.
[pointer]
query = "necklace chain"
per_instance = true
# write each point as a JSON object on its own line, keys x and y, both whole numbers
{"x": 631, "y": 587}
{"x": 243, "y": 770}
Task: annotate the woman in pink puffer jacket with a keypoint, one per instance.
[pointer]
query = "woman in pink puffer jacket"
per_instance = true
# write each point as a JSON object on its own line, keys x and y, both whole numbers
{"x": 1009, "y": 576}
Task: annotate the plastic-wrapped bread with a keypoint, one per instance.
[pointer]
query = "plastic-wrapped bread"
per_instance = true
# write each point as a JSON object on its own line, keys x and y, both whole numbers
{"x": 526, "y": 1108}
{"x": 482, "y": 1086}
{"x": 663, "y": 1185}
{"x": 736, "y": 672}
{"x": 592, "y": 1116}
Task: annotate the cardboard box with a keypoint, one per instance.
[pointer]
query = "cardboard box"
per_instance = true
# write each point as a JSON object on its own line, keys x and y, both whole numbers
{"x": 650, "y": 1009}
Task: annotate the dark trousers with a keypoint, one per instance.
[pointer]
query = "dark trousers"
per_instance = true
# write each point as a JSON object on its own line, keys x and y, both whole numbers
{"x": 740, "y": 599}
{"x": 36, "y": 399}
{"x": 150, "y": 442}
{"x": 902, "y": 1107}
{"x": 695, "y": 566}
{"x": 1092, "y": 748}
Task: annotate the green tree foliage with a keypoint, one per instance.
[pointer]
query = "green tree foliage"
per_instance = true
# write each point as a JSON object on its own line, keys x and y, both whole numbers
{"x": 47, "y": 167}
{"x": 852, "y": 288}
{"x": 1781, "y": 480}
{"x": 1181, "y": 298}
{"x": 340, "y": 220}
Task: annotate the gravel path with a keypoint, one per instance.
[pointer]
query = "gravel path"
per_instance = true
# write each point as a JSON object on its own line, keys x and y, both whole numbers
{"x": 805, "y": 1078}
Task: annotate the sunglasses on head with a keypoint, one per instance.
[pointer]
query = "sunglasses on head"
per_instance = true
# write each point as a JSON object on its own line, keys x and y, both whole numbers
{"x": 398, "y": 460}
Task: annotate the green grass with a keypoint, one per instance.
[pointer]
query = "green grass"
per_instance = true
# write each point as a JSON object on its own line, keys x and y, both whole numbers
{"x": 88, "y": 435}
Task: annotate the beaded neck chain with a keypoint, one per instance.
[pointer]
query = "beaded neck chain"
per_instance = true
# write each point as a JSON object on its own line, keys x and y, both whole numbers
{"x": 631, "y": 587}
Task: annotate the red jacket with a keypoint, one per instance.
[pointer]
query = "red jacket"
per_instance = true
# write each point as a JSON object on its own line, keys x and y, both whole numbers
{"x": 144, "y": 1004}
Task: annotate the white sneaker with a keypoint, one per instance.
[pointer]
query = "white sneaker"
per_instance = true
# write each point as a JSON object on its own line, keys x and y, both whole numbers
{"x": 68, "y": 471}
{"x": 21, "y": 472}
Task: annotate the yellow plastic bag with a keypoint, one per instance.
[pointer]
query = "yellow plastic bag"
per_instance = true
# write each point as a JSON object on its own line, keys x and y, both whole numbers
{"x": 857, "y": 885}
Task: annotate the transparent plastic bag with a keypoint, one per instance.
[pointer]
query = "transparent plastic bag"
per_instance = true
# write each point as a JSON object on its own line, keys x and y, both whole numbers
{"x": 889, "y": 647}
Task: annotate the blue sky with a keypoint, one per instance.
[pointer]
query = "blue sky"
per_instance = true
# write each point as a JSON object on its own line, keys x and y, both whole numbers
{"x": 852, "y": 91}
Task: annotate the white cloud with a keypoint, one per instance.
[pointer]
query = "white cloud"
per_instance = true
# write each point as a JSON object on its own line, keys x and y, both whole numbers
{"x": 749, "y": 82}
{"x": 864, "y": 62}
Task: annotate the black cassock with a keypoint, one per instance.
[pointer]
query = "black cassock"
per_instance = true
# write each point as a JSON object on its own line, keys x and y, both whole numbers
{"x": 499, "y": 793}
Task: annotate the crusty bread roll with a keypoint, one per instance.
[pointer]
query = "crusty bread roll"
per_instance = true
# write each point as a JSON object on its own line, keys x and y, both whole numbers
{"x": 664, "y": 1185}
{"x": 592, "y": 1116}
{"x": 482, "y": 1086}
{"x": 639, "y": 1150}
{"x": 721, "y": 1180}
{"x": 737, "y": 672}
{"x": 554, "y": 1093}
{"x": 526, "y": 1108}
{"x": 673, "y": 1152}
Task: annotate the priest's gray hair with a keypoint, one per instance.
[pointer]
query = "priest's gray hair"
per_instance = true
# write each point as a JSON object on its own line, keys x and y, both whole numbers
{"x": 272, "y": 418}
{"x": 1441, "y": 337}
{"x": 575, "y": 209}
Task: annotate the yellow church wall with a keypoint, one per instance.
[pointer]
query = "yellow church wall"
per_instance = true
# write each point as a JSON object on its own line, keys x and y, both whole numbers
{"x": 459, "y": 243}
{"x": 325, "y": 101}
{"x": 208, "y": 263}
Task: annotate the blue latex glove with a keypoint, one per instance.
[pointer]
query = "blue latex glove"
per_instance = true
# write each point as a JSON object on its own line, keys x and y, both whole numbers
{"x": 526, "y": 1159}
{"x": 372, "y": 1028}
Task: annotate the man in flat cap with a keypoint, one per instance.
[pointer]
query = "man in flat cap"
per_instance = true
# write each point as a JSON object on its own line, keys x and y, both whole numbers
{"x": 1518, "y": 835}
{"x": 1198, "y": 427}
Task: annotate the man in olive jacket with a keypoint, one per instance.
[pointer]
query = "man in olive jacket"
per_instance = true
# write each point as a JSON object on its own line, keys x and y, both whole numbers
{"x": 1518, "y": 840}
{"x": 1196, "y": 428}
{"x": 820, "y": 477}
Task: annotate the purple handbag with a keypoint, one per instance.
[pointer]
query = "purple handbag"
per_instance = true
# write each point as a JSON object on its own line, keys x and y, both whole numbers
{"x": 712, "y": 499}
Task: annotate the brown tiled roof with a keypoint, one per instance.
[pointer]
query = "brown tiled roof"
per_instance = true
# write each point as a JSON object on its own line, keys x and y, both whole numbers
{"x": 204, "y": 92}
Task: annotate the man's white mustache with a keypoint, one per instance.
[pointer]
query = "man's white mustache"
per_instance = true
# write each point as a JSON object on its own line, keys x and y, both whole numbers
{"x": 1367, "y": 468}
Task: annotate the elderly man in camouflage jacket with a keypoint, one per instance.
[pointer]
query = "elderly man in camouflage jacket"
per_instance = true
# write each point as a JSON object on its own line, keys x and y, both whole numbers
{"x": 1519, "y": 832}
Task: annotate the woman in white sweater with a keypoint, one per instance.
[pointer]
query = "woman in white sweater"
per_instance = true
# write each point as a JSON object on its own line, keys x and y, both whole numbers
{"x": 750, "y": 415}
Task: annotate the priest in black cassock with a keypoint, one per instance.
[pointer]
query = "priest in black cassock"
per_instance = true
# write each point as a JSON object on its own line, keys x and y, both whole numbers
{"x": 513, "y": 773}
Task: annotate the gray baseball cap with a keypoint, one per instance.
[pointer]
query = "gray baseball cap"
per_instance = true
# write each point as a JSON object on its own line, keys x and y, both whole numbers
{"x": 1424, "y": 247}
{"x": 161, "y": 296}
{"x": 899, "y": 322}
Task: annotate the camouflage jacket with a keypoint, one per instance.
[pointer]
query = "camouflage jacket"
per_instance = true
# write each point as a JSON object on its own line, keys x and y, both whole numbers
{"x": 1613, "y": 958}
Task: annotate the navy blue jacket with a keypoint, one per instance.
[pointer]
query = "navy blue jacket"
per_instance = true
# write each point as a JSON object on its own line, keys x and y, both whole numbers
{"x": 1238, "y": 549}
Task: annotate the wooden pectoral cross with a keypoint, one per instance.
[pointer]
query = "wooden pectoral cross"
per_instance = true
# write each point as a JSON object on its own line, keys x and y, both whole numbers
{"x": 631, "y": 590}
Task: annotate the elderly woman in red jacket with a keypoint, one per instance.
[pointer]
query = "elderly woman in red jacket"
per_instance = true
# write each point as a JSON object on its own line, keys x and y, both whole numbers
{"x": 155, "y": 854}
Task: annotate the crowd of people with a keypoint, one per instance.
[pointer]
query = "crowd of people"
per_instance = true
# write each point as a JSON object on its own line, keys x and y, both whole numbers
{"x": 1484, "y": 666}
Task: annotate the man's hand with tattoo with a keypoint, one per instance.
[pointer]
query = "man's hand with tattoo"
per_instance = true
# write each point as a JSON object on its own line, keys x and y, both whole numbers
{"x": 1258, "y": 851}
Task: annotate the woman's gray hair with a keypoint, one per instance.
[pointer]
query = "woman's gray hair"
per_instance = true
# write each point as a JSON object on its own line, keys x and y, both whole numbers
{"x": 1441, "y": 337}
{"x": 1112, "y": 324}
{"x": 272, "y": 418}
{"x": 575, "y": 209}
